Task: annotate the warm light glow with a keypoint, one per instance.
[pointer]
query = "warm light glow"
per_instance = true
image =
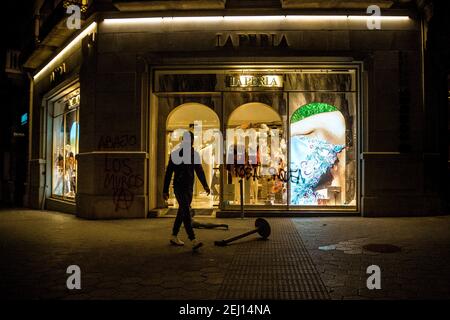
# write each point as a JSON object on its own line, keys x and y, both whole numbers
{"x": 379, "y": 18}
{"x": 67, "y": 49}
{"x": 153, "y": 20}
{"x": 254, "y": 18}
{"x": 343, "y": 18}
{"x": 279, "y": 18}
{"x": 317, "y": 18}
{"x": 134, "y": 20}
{"x": 195, "y": 19}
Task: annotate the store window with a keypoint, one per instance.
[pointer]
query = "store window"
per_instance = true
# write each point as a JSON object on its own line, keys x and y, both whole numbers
{"x": 65, "y": 145}
{"x": 304, "y": 121}
{"x": 322, "y": 123}
{"x": 185, "y": 117}
{"x": 317, "y": 154}
{"x": 257, "y": 129}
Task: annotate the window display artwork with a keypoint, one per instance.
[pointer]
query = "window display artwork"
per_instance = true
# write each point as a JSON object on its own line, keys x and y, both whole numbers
{"x": 317, "y": 145}
{"x": 291, "y": 146}
{"x": 65, "y": 146}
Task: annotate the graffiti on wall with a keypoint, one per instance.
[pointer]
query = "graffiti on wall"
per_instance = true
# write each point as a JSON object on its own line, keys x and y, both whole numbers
{"x": 251, "y": 172}
{"x": 116, "y": 142}
{"x": 122, "y": 180}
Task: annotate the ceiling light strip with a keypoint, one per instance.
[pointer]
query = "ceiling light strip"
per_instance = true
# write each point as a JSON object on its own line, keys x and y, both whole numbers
{"x": 275, "y": 18}
{"x": 156, "y": 20}
{"x": 66, "y": 49}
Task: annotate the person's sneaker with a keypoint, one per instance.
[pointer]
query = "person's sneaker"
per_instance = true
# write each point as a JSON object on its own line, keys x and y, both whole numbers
{"x": 176, "y": 242}
{"x": 196, "y": 244}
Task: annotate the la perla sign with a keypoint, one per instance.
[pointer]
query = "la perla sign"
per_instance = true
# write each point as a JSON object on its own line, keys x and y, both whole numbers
{"x": 249, "y": 39}
{"x": 258, "y": 81}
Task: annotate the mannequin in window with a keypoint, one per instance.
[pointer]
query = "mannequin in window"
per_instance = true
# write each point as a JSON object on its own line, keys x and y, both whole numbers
{"x": 71, "y": 174}
{"x": 215, "y": 181}
{"x": 59, "y": 166}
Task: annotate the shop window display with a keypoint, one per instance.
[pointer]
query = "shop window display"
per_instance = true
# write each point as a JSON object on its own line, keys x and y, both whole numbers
{"x": 264, "y": 162}
{"x": 65, "y": 145}
{"x": 323, "y": 138}
{"x": 317, "y": 154}
{"x": 312, "y": 113}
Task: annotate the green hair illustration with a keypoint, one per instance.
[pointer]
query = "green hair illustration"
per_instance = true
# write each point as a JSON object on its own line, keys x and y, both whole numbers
{"x": 311, "y": 109}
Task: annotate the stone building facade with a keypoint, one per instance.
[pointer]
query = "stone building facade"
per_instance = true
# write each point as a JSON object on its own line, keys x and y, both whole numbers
{"x": 107, "y": 102}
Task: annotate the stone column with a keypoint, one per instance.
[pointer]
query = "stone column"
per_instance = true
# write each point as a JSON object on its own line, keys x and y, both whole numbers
{"x": 112, "y": 163}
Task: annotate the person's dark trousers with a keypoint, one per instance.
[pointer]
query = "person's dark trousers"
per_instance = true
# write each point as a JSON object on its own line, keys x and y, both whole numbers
{"x": 184, "y": 198}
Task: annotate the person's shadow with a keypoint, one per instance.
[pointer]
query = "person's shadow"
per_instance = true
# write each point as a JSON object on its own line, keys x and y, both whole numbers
{"x": 199, "y": 225}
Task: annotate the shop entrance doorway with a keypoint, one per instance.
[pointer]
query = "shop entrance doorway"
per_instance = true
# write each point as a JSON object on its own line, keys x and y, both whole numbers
{"x": 183, "y": 118}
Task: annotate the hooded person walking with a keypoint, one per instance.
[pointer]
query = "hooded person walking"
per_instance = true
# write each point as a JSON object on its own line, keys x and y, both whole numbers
{"x": 184, "y": 161}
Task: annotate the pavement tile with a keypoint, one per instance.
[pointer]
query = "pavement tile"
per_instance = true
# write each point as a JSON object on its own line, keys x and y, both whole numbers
{"x": 131, "y": 259}
{"x": 171, "y": 284}
{"x": 402, "y": 273}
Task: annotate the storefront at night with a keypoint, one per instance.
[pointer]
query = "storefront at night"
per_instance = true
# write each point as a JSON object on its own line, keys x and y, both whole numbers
{"x": 293, "y": 107}
{"x": 337, "y": 106}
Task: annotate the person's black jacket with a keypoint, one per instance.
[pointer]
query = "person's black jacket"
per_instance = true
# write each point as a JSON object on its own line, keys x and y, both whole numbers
{"x": 184, "y": 173}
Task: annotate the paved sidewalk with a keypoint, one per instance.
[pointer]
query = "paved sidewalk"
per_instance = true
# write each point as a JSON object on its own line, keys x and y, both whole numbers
{"x": 131, "y": 259}
{"x": 421, "y": 270}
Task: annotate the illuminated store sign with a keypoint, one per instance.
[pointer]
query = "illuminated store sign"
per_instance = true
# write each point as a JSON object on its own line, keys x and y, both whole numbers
{"x": 251, "y": 40}
{"x": 58, "y": 73}
{"x": 246, "y": 81}
{"x": 73, "y": 102}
